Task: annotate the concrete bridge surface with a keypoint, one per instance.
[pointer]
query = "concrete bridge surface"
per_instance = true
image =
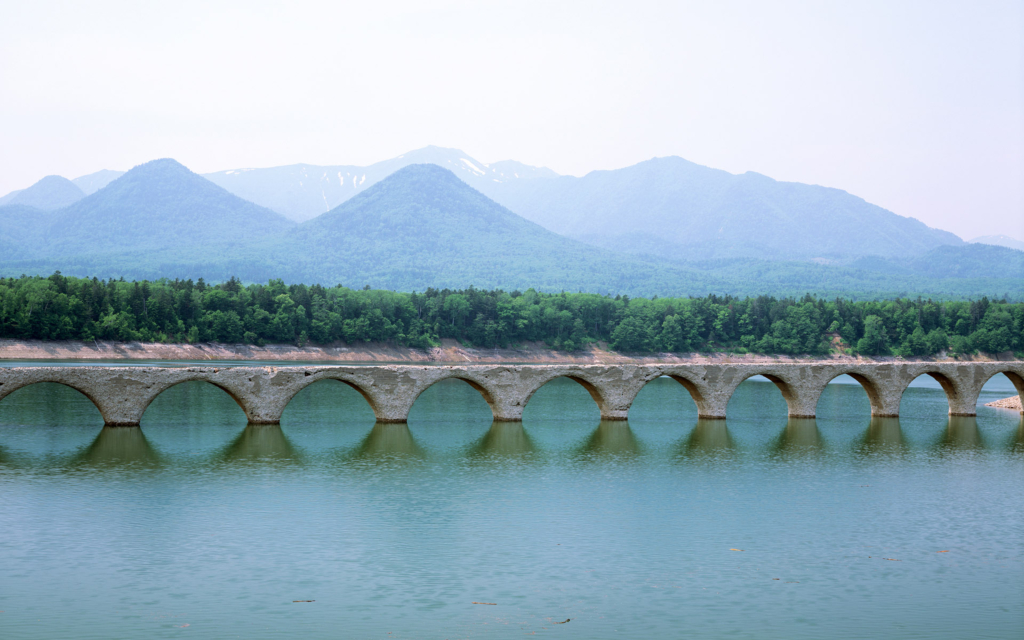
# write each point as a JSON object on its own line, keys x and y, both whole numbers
{"x": 123, "y": 393}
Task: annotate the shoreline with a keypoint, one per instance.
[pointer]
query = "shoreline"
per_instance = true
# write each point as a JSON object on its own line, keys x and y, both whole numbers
{"x": 450, "y": 352}
{"x": 1013, "y": 403}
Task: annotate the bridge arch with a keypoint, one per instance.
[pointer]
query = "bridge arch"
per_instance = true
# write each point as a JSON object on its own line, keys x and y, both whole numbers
{"x": 8, "y": 388}
{"x": 956, "y": 396}
{"x": 313, "y": 379}
{"x": 598, "y": 395}
{"x": 158, "y": 391}
{"x": 481, "y": 387}
{"x": 690, "y": 382}
{"x": 872, "y": 388}
{"x": 801, "y": 399}
{"x": 1015, "y": 378}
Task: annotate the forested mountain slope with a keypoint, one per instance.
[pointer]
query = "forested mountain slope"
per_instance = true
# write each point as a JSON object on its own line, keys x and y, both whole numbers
{"x": 967, "y": 261}
{"x": 22, "y": 231}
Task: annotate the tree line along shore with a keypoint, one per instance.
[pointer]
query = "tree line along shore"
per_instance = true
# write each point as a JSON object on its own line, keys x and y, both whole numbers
{"x": 182, "y": 311}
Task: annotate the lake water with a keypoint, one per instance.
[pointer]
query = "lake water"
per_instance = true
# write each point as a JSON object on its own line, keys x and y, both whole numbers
{"x": 197, "y": 525}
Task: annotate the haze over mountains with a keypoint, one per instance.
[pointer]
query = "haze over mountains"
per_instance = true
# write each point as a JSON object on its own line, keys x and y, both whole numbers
{"x": 677, "y": 209}
{"x": 301, "y": 192}
{"x": 664, "y": 226}
{"x": 423, "y": 225}
{"x": 93, "y": 182}
{"x": 1000, "y": 240}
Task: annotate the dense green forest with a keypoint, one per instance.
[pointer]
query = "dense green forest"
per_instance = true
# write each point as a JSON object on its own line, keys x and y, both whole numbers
{"x": 59, "y": 307}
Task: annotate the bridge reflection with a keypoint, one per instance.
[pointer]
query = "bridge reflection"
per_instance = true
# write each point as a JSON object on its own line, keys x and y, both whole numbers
{"x": 115, "y": 446}
{"x": 260, "y": 442}
{"x": 883, "y": 435}
{"x": 1017, "y": 441}
{"x": 708, "y": 438}
{"x": 611, "y": 438}
{"x": 800, "y": 437}
{"x": 961, "y": 434}
{"x": 389, "y": 439}
{"x": 503, "y": 439}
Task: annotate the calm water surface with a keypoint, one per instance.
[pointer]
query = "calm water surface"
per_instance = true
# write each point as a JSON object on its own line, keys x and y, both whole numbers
{"x": 197, "y": 525}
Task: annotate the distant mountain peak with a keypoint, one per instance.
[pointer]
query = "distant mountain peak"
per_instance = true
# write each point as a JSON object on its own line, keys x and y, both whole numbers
{"x": 999, "y": 240}
{"x": 49, "y": 194}
{"x": 93, "y": 182}
{"x": 301, "y": 192}
{"x": 158, "y": 205}
{"x": 160, "y": 165}
{"x": 419, "y": 185}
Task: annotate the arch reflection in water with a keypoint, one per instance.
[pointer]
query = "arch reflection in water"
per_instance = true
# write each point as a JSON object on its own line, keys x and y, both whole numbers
{"x": 611, "y": 438}
{"x": 708, "y": 438}
{"x": 116, "y": 446}
{"x": 389, "y": 440}
{"x": 883, "y": 434}
{"x": 261, "y": 442}
{"x": 800, "y": 437}
{"x": 961, "y": 434}
{"x": 503, "y": 439}
{"x": 1017, "y": 441}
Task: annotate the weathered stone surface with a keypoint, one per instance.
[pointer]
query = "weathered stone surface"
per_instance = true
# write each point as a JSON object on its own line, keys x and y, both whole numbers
{"x": 123, "y": 393}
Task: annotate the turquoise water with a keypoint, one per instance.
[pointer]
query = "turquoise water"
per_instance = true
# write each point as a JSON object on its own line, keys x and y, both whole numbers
{"x": 197, "y": 525}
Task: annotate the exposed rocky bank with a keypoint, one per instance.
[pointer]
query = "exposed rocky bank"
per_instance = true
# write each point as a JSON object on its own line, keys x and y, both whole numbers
{"x": 450, "y": 352}
{"x": 1013, "y": 402}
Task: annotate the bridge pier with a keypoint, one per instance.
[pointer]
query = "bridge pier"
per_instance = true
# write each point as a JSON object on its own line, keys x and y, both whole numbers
{"x": 800, "y": 387}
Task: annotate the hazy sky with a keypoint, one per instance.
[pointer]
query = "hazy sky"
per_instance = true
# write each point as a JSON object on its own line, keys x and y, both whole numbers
{"x": 915, "y": 106}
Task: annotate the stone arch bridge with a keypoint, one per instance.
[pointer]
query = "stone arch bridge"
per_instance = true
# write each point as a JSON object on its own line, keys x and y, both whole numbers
{"x": 123, "y": 393}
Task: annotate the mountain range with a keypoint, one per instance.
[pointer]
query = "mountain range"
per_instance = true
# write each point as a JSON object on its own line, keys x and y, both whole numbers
{"x": 673, "y": 208}
{"x": 419, "y": 227}
{"x": 665, "y": 226}
{"x": 302, "y": 191}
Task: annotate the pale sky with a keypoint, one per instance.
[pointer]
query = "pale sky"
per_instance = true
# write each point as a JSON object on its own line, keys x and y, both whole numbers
{"x": 914, "y": 106}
